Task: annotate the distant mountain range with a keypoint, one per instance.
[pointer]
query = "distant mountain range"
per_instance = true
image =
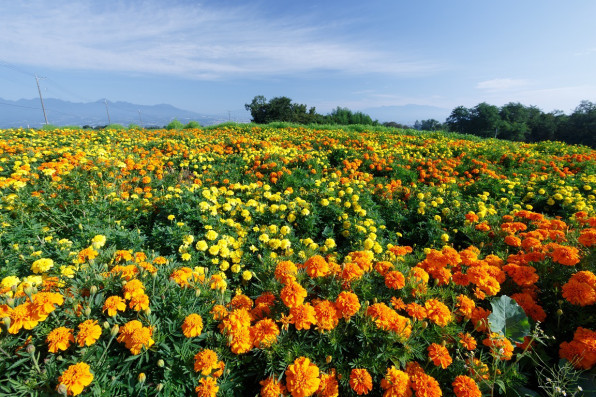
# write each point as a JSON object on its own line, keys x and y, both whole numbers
{"x": 407, "y": 114}
{"x": 28, "y": 113}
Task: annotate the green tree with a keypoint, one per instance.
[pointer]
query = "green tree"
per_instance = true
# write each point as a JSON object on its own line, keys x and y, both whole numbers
{"x": 459, "y": 120}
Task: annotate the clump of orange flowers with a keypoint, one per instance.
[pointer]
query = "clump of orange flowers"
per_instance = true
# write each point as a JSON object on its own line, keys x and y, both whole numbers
{"x": 302, "y": 378}
{"x": 75, "y": 378}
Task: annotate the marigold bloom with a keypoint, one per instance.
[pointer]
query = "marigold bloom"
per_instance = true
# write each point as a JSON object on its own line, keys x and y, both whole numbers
{"x": 139, "y": 302}
{"x": 89, "y": 332}
{"x": 416, "y": 311}
{"x": 42, "y": 265}
{"x": 59, "y": 339}
{"x": 302, "y": 378}
{"x": 464, "y": 386}
{"x": 285, "y": 271}
{"x": 437, "y": 312}
{"x": 76, "y": 378}
{"x": 303, "y": 316}
{"x": 45, "y": 301}
{"x": 501, "y": 347}
{"x": 479, "y": 319}
{"x": 587, "y": 237}
{"x": 264, "y": 333}
{"x": 512, "y": 241}
{"x": 271, "y": 387}
{"x": 395, "y": 280}
{"x": 293, "y": 294}
{"x": 396, "y": 383}
{"x": 568, "y": 256}
{"x": 113, "y": 304}
{"x": 439, "y": 355}
{"x": 581, "y": 351}
{"x": 326, "y": 315}
{"x": 135, "y": 336}
{"x": 329, "y": 386}
{"x": 360, "y": 381}
{"x": 133, "y": 288}
{"x": 351, "y": 272}
{"x": 205, "y": 361}
{"x": 467, "y": 340}
{"x": 347, "y": 304}
{"x": 425, "y": 385}
{"x": 316, "y": 266}
{"x": 207, "y": 387}
{"x": 192, "y": 326}
{"x": 465, "y": 306}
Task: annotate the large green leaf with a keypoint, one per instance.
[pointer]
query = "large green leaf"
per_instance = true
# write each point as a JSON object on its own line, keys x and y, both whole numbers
{"x": 509, "y": 319}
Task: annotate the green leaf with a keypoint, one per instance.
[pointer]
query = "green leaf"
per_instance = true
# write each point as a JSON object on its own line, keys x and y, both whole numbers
{"x": 508, "y": 319}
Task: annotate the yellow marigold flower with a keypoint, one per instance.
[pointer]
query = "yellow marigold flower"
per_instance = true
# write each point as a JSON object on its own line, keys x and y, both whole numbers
{"x": 113, "y": 305}
{"x": 45, "y": 301}
{"x": 59, "y": 339}
{"x": 25, "y": 316}
{"x": 192, "y": 326}
{"x": 42, "y": 265}
{"x": 98, "y": 241}
{"x": 76, "y": 378}
{"x": 201, "y": 245}
{"x": 302, "y": 378}
{"x": 89, "y": 332}
{"x": 211, "y": 235}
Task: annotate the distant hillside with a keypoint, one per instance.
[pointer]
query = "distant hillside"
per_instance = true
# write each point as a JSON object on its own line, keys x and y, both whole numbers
{"x": 28, "y": 113}
{"x": 407, "y": 114}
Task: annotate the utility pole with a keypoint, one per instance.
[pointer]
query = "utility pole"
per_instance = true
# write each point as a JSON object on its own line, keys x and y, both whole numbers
{"x": 107, "y": 111}
{"x": 140, "y": 119}
{"x": 41, "y": 99}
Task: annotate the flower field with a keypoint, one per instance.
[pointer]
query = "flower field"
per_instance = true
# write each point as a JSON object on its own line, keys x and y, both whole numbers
{"x": 244, "y": 260}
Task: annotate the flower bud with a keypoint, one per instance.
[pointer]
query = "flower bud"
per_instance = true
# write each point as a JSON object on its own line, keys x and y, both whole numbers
{"x": 328, "y": 359}
{"x": 106, "y": 325}
{"x": 87, "y": 311}
{"x": 115, "y": 330}
{"x": 160, "y": 363}
{"x": 147, "y": 311}
{"x": 559, "y": 312}
{"x": 159, "y": 387}
{"x": 62, "y": 389}
{"x": 93, "y": 290}
{"x": 197, "y": 292}
{"x": 10, "y": 302}
{"x": 142, "y": 377}
{"x": 30, "y": 349}
{"x": 6, "y": 321}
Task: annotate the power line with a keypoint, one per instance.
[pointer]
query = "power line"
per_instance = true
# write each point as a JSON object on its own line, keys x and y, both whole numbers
{"x": 41, "y": 99}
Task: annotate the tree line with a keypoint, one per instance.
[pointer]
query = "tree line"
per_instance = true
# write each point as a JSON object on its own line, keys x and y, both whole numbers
{"x": 283, "y": 109}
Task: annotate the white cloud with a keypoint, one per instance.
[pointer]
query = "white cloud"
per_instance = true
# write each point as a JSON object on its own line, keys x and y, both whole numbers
{"x": 496, "y": 85}
{"x": 187, "y": 40}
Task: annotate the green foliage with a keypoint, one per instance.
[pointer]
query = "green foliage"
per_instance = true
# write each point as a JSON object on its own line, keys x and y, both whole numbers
{"x": 508, "y": 319}
{"x": 192, "y": 124}
{"x": 174, "y": 125}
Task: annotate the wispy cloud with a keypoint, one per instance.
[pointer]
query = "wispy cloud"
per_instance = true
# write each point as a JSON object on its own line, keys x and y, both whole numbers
{"x": 183, "y": 39}
{"x": 497, "y": 85}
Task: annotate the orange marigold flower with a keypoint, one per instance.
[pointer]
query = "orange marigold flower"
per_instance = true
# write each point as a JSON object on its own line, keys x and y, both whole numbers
{"x": 241, "y": 342}
{"x": 271, "y": 387}
{"x": 512, "y": 241}
{"x": 293, "y": 294}
{"x": 89, "y": 332}
{"x": 302, "y": 378}
{"x": 465, "y": 306}
{"x": 383, "y": 267}
{"x": 139, "y": 302}
{"x": 326, "y": 315}
{"x": 45, "y": 301}
{"x": 329, "y": 386}
{"x": 464, "y": 386}
{"x": 396, "y": 383}
{"x": 395, "y": 280}
{"x": 351, "y": 272}
{"x": 347, "y": 304}
{"x": 133, "y": 288}
{"x": 467, "y": 340}
{"x": 113, "y": 304}
{"x": 241, "y": 301}
{"x": 568, "y": 256}
{"x": 217, "y": 282}
{"x": 416, "y": 311}
{"x": 587, "y": 237}
{"x": 439, "y": 355}
{"x": 581, "y": 351}
{"x": 437, "y": 312}
{"x": 303, "y": 316}
{"x": 59, "y": 339}
{"x": 316, "y": 266}
{"x": 285, "y": 271}
{"x": 425, "y": 386}
{"x": 219, "y": 312}
{"x": 76, "y": 377}
{"x": 500, "y": 346}
{"x": 397, "y": 303}
{"x": 182, "y": 276}
{"x": 360, "y": 381}
{"x": 400, "y": 250}
{"x": 192, "y": 326}
{"x": 479, "y": 319}
{"x": 264, "y": 333}
{"x": 135, "y": 336}
{"x": 238, "y": 319}
{"x": 205, "y": 361}
{"x": 207, "y": 387}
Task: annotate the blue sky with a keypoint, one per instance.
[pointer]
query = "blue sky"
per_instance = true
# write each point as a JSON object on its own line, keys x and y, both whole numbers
{"x": 215, "y": 56}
